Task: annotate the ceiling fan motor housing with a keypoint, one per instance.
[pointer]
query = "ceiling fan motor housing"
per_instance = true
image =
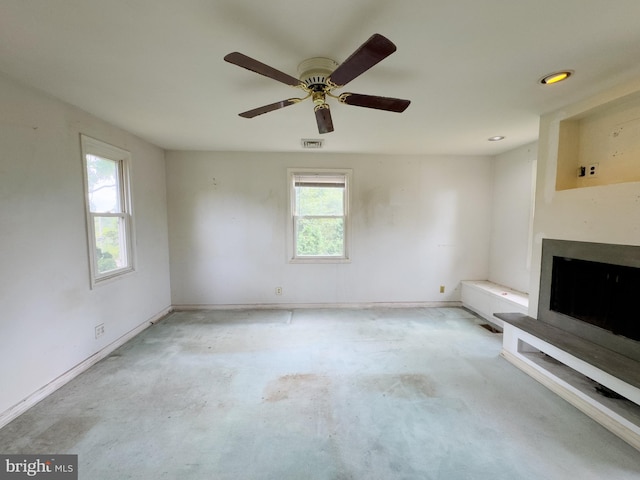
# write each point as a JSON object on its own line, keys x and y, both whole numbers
{"x": 313, "y": 72}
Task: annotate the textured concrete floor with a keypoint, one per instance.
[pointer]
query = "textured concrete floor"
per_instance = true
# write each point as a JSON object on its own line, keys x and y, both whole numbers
{"x": 317, "y": 394}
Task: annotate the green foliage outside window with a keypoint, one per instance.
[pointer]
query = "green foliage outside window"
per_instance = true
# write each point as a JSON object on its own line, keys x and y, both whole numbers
{"x": 320, "y": 220}
{"x": 108, "y": 243}
{"x": 105, "y": 197}
{"x": 320, "y": 237}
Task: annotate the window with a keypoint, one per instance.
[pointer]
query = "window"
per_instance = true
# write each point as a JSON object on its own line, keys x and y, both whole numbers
{"x": 108, "y": 205}
{"x": 319, "y": 224}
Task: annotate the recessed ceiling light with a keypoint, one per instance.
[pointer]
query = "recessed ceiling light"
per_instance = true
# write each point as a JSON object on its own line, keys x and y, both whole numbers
{"x": 555, "y": 77}
{"x": 497, "y": 138}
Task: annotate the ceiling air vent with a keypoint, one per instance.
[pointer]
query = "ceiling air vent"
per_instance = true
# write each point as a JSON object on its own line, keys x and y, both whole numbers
{"x": 311, "y": 143}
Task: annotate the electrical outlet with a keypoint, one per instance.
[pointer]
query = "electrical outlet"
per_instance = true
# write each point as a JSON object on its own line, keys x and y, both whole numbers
{"x": 278, "y": 290}
{"x": 441, "y": 288}
{"x": 593, "y": 169}
{"x": 100, "y": 330}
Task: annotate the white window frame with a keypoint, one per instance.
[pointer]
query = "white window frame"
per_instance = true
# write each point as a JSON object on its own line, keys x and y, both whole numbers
{"x": 292, "y": 173}
{"x": 91, "y": 146}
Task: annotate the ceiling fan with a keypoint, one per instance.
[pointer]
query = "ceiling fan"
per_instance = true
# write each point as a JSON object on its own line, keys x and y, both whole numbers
{"x": 319, "y": 76}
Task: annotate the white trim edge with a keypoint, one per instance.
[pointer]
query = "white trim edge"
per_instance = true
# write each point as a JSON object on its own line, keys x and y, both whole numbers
{"x": 290, "y": 306}
{"x": 25, "y": 404}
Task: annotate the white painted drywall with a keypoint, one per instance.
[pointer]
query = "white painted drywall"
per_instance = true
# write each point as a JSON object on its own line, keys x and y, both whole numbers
{"x": 417, "y": 223}
{"x": 511, "y": 225}
{"x": 607, "y": 214}
{"x": 47, "y": 310}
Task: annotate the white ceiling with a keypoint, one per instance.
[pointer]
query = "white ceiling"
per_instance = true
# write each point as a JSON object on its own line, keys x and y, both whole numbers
{"x": 470, "y": 67}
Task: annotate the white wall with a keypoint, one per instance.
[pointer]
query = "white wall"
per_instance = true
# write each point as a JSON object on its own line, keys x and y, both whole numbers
{"x": 47, "y": 310}
{"x": 511, "y": 226}
{"x": 607, "y": 214}
{"x": 418, "y": 223}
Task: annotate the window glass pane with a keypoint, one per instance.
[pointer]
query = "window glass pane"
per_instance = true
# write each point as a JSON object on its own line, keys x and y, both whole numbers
{"x": 320, "y": 237}
{"x": 319, "y": 200}
{"x": 111, "y": 252}
{"x": 104, "y": 191}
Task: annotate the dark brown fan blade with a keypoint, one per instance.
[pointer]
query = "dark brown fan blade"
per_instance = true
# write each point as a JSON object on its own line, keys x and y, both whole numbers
{"x": 255, "y": 66}
{"x": 268, "y": 108}
{"x": 323, "y": 118}
{"x": 372, "y": 101}
{"x": 372, "y": 51}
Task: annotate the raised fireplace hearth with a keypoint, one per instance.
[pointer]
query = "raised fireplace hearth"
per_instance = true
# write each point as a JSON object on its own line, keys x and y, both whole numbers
{"x": 589, "y": 326}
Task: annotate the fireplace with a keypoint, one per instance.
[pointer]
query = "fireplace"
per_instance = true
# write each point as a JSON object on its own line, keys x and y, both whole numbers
{"x": 584, "y": 344}
{"x": 592, "y": 290}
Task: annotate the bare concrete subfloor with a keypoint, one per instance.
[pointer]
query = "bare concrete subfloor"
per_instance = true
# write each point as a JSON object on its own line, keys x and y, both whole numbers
{"x": 317, "y": 394}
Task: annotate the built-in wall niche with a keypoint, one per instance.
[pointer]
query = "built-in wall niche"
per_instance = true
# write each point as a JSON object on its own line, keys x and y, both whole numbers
{"x": 600, "y": 146}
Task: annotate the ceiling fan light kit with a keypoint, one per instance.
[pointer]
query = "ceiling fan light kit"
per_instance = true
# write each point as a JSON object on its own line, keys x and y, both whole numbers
{"x": 319, "y": 76}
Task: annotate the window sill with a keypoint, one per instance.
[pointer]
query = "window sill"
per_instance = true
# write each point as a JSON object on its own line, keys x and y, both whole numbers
{"x": 98, "y": 282}
{"x": 321, "y": 260}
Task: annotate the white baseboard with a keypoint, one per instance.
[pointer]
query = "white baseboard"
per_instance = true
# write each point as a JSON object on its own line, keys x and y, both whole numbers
{"x": 276, "y": 306}
{"x": 28, "y": 402}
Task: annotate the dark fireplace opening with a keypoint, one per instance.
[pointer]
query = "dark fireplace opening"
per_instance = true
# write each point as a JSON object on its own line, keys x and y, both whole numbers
{"x": 590, "y": 290}
{"x": 601, "y": 294}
